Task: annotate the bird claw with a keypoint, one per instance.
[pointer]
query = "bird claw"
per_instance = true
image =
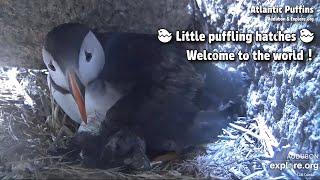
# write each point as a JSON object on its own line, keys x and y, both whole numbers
{"x": 225, "y": 106}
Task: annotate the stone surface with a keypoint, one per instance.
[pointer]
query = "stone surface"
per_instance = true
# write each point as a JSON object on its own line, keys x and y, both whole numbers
{"x": 24, "y": 23}
{"x": 286, "y": 94}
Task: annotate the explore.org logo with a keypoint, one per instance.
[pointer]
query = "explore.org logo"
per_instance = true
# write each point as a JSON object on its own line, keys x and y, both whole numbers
{"x": 296, "y": 166}
{"x": 298, "y": 162}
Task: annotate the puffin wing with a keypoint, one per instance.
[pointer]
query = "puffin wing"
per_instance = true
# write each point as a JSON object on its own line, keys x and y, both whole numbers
{"x": 142, "y": 60}
{"x": 145, "y": 62}
{"x": 221, "y": 85}
{"x": 162, "y": 106}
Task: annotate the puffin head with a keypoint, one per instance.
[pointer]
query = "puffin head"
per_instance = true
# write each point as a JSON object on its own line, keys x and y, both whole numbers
{"x": 74, "y": 58}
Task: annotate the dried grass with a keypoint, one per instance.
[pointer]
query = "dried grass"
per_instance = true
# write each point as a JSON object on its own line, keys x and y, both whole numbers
{"x": 243, "y": 151}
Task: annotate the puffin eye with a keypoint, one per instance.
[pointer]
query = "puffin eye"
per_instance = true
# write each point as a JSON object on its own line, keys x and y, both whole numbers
{"x": 51, "y": 66}
{"x": 88, "y": 56}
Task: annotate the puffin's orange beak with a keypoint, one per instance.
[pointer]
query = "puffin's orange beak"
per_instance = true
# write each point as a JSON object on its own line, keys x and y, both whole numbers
{"x": 78, "y": 92}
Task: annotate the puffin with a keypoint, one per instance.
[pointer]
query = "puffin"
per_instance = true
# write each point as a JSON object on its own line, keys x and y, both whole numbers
{"x": 134, "y": 96}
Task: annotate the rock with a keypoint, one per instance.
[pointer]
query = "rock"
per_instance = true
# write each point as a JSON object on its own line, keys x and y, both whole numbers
{"x": 287, "y": 94}
{"x": 24, "y": 23}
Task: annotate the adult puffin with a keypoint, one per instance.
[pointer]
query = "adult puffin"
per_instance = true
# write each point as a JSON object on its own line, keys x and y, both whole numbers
{"x": 134, "y": 93}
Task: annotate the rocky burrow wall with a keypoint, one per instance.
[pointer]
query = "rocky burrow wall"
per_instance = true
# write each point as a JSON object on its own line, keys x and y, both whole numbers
{"x": 286, "y": 94}
{"x": 24, "y": 23}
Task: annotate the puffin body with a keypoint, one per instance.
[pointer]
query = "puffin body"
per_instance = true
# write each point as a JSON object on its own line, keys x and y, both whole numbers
{"x": 127, "y": 84}
{"x": 100, "y": 96}
{"x": 76, "y": 85}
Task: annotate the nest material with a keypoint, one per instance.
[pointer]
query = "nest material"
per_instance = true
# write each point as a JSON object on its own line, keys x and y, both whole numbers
{"x": 244, "y": 150}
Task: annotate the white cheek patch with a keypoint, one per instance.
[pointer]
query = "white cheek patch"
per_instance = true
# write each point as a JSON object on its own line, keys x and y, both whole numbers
{"x": 88, "y": 71}
{"x": 57, "y": 76}
{"x": 66, "y": 102}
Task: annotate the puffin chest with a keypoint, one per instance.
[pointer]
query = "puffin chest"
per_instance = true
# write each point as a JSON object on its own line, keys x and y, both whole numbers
{"x": 99, "y": 98}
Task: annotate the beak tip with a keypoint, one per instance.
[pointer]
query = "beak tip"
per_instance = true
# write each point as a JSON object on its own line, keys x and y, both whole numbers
{"x": 84, "y": 117}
